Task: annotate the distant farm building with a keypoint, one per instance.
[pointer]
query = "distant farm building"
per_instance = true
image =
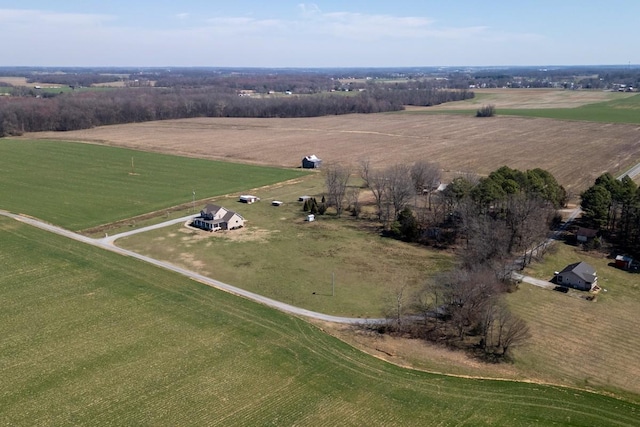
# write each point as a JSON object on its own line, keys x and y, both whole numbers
{"x": 579, "y": 275}
{"x": 248, "y": 198}
{"x": 311, "y": 162}
{"x": 214, "y": 218}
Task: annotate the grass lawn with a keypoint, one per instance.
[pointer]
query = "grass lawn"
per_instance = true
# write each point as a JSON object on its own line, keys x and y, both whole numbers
{"x": 78, "y": 186}
{"x": 588, "y": 344}
{"x": 280, "y": 255}
{"x": 93, "y": 338}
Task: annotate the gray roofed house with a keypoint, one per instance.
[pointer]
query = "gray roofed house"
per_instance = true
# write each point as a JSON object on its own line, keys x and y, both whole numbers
{"x": 214, "y": 218}
{"x": 579, "y": 275}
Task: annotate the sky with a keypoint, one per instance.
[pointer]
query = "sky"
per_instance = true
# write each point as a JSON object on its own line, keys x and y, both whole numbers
{"x": 345, "y": 33}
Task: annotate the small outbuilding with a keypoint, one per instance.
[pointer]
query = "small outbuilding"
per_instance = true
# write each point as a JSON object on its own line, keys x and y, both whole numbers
{"x": 579, "y": 275}
{"x": 584, "y": 234}
{"x": 248, "y": 198}
{"x": 311, "y": 162}
{"x": 624, "y": 262}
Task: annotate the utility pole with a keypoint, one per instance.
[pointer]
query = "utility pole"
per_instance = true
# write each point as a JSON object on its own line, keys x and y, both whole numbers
{"x": 333, "y": 284}
{"x": 194, "y": 201}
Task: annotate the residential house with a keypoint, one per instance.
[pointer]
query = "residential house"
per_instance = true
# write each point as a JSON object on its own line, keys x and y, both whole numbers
{"x": 214, "y": 218}
{"x": 579, "y": 275}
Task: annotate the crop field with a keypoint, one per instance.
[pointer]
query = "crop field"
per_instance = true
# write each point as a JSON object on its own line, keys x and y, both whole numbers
{"x": 280, "y": 255}
{"x": 93, "y": 338}
{"x": 532, "y": 99}
{"x": 80, "y": 185}
{"x": 574, "y": 152}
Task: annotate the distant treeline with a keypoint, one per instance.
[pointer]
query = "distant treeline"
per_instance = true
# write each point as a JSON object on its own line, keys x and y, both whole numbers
{"x": 83, "y": 110}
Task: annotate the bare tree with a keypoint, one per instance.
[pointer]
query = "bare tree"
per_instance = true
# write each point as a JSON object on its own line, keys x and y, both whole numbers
{"x": 336, "y": 180}
{"x": 353, "y": 199}
{"x": 365, "y": 169}
{"x": 425, "y": 176}
{"x": 399, "y": 188}
{"x": 377, "y": 183}
{"x": 467, "y": 294}
{"x": 502, "y": 329}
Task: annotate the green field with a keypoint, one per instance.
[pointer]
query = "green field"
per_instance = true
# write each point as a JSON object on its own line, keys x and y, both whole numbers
{"x": 280, "y": 255}
{"x": 625, "y": 110}
{"x": 78, "y": 185}
{"x": 93, "y": 338}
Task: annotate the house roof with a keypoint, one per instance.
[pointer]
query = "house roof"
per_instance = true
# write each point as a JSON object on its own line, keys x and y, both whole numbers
{"x": 313, "y": 158}
{"x": 210, "y": 208}
{"x": 230, "y": 215}
{"x": 582, "y": 270}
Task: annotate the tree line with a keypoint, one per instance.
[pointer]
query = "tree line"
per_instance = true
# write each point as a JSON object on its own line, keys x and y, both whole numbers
{"x": 82, "y": 110}
{"x": 612, "y": 206}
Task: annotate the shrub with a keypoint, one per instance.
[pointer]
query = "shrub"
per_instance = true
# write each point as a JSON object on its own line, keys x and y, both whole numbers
{"x": 486, "y": 111}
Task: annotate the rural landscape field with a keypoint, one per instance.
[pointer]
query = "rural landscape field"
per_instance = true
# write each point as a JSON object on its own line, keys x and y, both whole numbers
{"x": 92, "y": 336}
{"x": 96, "y": 338}
{"x": 571, "y": 150}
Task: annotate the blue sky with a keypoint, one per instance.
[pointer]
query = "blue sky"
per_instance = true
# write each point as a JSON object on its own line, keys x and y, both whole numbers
{"x": 272, "y": 33}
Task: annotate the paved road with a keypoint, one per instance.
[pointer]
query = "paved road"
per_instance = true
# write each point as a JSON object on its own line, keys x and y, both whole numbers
{"x": 107, "y": 243}
{"x": 632, "y": 172}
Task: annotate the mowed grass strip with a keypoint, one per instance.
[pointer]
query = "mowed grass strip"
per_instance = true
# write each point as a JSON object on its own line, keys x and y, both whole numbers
{"x": 78, "y": 186}
{"x": 93, "y": 338}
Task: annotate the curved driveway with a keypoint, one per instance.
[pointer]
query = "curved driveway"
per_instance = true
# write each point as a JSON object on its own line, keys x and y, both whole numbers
{"x": 108, "y": 243}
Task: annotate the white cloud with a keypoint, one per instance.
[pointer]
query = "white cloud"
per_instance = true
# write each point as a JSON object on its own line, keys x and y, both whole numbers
{"x": 312, "y": 38}
{"x": 35, "y": 18}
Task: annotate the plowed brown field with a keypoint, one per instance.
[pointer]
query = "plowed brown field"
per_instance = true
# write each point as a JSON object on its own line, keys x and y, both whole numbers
{"x": 575, "y": 152}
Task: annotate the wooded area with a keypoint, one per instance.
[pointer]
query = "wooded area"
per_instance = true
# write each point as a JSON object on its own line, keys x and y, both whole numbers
{"x": 203, "y": 95}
